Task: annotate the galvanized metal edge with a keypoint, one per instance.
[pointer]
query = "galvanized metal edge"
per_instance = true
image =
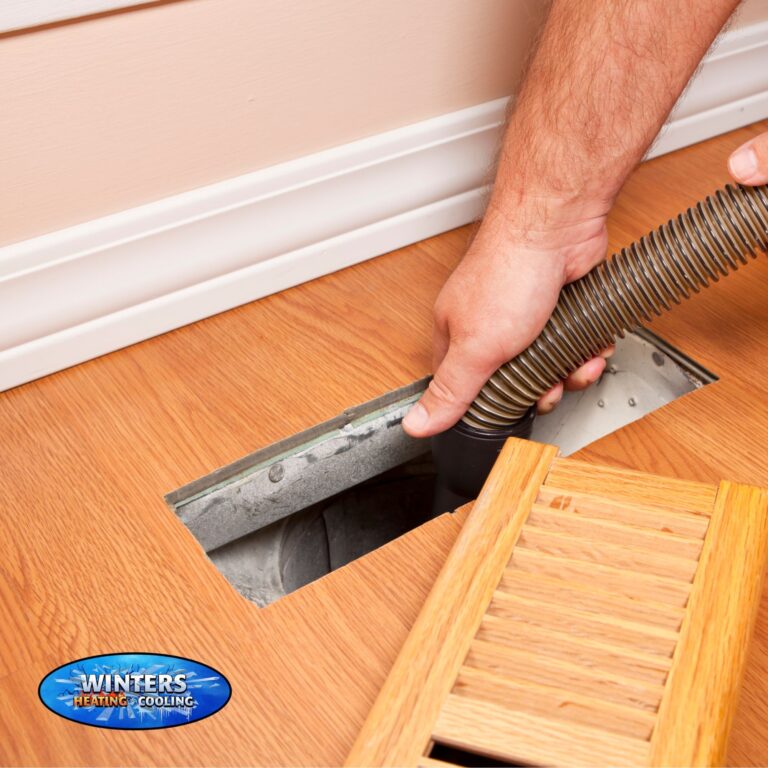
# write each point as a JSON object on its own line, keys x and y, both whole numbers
{"x": 688, "y": 364}
{"x": 255, "y": 461}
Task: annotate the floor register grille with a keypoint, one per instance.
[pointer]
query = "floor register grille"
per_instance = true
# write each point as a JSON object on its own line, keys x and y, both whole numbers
{"x": 585, "y": 616}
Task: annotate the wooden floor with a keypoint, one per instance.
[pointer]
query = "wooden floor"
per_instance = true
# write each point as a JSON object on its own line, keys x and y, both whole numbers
{"x": 93, "y": 561}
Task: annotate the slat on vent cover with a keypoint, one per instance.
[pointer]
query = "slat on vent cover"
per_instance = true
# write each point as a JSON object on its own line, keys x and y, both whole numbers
{"x": 622, "y": 633}
{"x": 614, "y": 532}
{"x": 628, "y": 486}
{"x": 553, "y": 701}
{"x": 397, "y": 731}
{"x": 559, "y": 644}
{"x": 635, "y": 515}
{"x": 528, "y": 664}
{"x": 599, "y": 598}
{"x": 585, "y": 643}
{"x": 520, "y": 736}
{"x": 626, "y": 556}
{"x": 630, "y": 583}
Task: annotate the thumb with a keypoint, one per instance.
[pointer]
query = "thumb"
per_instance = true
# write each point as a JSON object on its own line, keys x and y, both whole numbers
{"x": 749, "y": 163}
{"x": 453, "y": 388}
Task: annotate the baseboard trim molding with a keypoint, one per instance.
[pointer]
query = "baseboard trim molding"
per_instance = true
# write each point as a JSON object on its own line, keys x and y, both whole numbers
{"x": 115, "y": 330}
{"x": 16, "y": 15}
{"x": 87, "y": 290}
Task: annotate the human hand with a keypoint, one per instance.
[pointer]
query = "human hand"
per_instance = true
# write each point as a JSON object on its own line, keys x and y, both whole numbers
{"x": 498, "y": 300}
{"x": 749, "y": 163}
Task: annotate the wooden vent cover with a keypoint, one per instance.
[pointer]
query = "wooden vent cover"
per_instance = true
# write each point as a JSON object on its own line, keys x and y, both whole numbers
{"x": 585, "y": 615}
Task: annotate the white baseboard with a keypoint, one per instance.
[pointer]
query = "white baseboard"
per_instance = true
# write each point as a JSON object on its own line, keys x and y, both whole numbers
{"x": 87, "y": 290}
{"x": 24, "y": 14}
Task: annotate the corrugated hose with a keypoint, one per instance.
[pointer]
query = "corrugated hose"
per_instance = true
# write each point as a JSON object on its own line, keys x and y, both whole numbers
{"x": 709, "y": 241}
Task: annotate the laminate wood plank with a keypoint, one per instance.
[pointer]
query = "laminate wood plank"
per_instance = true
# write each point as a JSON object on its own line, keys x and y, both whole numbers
{"x": 553, "y": 702}
{"x": 647, "y": 638}
{"x": 398, "y": 727}
{"x": 595, "y": 652}
{"x": 588, "y": 549}
{"x": 521, "y": 737}
{"x": 88, "y": 455}
{"x": 89, "y": 452}
{"x": 525, "y": 664}
{"x": 613, "y": 532}
{"x": 630, "y": 583}
{"x": 633, "y": 486}
{"x": 723, "y": 444}
{"x": 634, "y": 515}
{"x": 598, "y": 598}
{"x": 699, "y": 700}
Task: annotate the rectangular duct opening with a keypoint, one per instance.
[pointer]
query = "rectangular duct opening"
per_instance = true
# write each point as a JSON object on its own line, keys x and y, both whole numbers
{"x": 292, "y": 512}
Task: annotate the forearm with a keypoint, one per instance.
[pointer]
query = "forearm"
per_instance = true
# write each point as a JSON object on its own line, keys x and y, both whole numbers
{"x": 600, "y": 84}
{"x": 602, "y": 81}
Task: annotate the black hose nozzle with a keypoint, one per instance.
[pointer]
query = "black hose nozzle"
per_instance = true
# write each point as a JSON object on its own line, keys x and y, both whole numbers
{"x": 464, "y": 456}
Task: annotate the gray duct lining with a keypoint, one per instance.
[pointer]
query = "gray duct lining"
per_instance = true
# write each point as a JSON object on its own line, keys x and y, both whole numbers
{"x": 306, "y": 468}
{"x": 311, "y": 466}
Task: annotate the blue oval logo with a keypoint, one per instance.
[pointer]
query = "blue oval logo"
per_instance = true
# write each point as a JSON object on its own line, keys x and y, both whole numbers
{"x": 134, "y": 691}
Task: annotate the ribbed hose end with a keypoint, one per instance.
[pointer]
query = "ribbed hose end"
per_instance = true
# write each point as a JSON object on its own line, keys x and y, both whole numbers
{"x": 710, "y": 240}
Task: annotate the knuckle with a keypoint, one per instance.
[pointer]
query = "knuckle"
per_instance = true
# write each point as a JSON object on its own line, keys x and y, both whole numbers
{"x": 441, "y": 311}
{"x": 475, "y": 345}
{"x": 442, "y": 392}
{"x": 482, "y": 352}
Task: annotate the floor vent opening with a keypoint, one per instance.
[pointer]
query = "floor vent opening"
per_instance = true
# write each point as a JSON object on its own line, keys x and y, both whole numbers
{"x": 294, "y": 511}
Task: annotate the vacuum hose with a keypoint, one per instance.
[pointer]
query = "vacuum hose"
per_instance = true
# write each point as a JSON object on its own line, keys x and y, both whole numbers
{"x": 681, "y": 257}
{"x": 708, "y": 241}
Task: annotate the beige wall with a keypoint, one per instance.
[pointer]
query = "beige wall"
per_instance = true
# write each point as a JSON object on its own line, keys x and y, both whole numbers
{"x": 108, "y": 113}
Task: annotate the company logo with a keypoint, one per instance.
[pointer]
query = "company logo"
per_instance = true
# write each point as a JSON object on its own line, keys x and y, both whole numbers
{"x": 134, "y": 691}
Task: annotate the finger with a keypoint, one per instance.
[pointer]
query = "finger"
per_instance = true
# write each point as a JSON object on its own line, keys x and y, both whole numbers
{"x": 549, "y": 400}
{"x": 588, "y": 374}
{"x": 749, "y": 163}
{"x": 454, "y": 386}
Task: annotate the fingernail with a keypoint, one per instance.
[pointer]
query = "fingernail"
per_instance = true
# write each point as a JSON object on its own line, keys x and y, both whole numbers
{"x": 550, "y": 404}
{"x": 743, "y": 164}
{"x": 548, "y": 407}
{"x": 416, "y": 419}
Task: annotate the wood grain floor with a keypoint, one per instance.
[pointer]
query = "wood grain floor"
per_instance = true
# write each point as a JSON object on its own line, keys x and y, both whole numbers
{"x": 92, "y": 560}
